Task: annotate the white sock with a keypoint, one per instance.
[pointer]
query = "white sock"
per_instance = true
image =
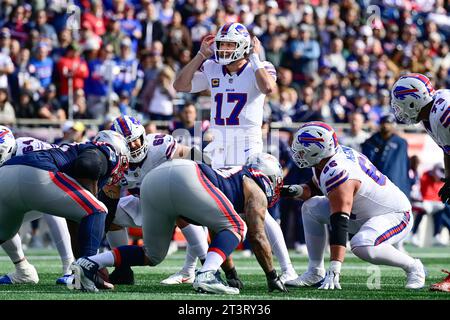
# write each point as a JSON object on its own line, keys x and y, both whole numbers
{"x": 385, "y": 254}
{"x": 197, "y": 240}
{"x": 61, "y": 238}
{"x": 316, "y": 241}
{"x": 104, "y": 259}
{"x": 213, "y": 262}
{"x": 117, "y": 238}
{"x": 13, "y": 248}
{"x": 190, "y": 262}
{"x": 276, "y": 240}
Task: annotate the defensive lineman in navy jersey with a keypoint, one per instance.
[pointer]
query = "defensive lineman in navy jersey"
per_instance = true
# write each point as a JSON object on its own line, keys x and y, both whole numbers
{"x": 63, "y": 182}
{"x": 218, "y": 199}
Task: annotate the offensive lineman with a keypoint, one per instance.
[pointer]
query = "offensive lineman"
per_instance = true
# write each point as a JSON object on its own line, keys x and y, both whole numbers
{"x": 414, "y": 100}
{"x": 63, "y": 181}
{"x": 208, "y": 197}
{"x": 228, "y": 65}
{"x": 358, "y": 199}
{"x": 24, "y": 271}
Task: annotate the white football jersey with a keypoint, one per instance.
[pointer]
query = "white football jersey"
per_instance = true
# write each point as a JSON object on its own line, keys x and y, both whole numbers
{"x": 237, "y": 103}
{"x": 377, "y": 194}
{"x": 27, "y": 144}
{"x": 439, "y": 128}
{"x": 161, "y": 147}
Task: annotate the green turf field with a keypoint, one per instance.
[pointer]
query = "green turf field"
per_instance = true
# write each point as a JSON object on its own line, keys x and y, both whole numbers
{"x": 354, "y": 280}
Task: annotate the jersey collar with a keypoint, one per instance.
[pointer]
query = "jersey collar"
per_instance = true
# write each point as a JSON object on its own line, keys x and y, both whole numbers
{"x": 225, "y": 70}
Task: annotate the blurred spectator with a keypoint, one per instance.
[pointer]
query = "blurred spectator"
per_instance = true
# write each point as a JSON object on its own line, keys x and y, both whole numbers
{"x": 199, "y": 29}
{"x": 96, "y": 84}
{"x": 7, "y": 113}
{"x": 131, "y": 27}
{"x": 389, "y": 153}
{"x": 158, "y": 97}
{"x": 72, "y": 132}
{"x": 152, "y": 28}
{"x": 131, "y": 76}
{"x": 114, "y": 35}
{"x": 307, "y": 108}
{"x": 187, "y": 130}
{"x": 42, "y": 66}
{"x": 6, "y": 68}
{"x": 26, "y": 107}
{"x": 5, "y": 40}
{"x": 50, "y": 107}
{"x": 71, "y": 66}
{"x": 178, "y": 37}
{"x": 94, "y": 18}
{"x": 80, "y": 109}
{"x": 45, "y": 30}
{"x": 356, "y": 136}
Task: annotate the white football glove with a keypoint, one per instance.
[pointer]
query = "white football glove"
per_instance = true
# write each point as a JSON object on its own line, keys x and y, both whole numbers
{"x": 331, "y": 280}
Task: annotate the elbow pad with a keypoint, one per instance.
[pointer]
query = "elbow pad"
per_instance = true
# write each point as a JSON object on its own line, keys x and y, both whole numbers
{"x": 339, "y": 228}
{"x": 90, "y": 164}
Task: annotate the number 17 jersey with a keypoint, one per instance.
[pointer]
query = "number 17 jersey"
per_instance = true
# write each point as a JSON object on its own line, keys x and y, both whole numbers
{"x": 237, "y": 102}
{"x": 376, "y": 196}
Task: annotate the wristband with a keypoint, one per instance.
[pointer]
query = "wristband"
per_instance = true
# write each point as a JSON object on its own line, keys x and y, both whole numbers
{"x": 204, "y": 57}
{"x": 256, "y": 63}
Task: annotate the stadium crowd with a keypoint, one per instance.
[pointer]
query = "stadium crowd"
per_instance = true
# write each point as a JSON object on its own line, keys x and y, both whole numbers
{"x": 336, "y": 60}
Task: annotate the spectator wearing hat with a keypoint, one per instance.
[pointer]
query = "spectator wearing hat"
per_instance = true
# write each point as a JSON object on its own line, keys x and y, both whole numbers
{"x": 72, "y": 132}
{"x": 7, "y": 113}
{"x": 71, "y": 66}
{"x": 42, "y": 65}
{"x": 389, "y": 153}
{"x": 96, "y": 84}
{"x": 152, "y": 28}
{"x": 114, "y": 35}
{"x": 130, "y": 77}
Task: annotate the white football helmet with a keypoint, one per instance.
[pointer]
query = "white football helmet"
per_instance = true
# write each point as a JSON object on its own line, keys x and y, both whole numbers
{"x": 409, "y": 95}
{"x": 313, "y": 142}
{"x": 8, "y": 144}
{"x": 132, "y": 130}
{"x": 268, "y": 165}
{"x": 122, "y": 152}
{"x": 236, "y": 33}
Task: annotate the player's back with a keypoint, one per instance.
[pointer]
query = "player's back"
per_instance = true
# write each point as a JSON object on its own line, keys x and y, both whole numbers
{"x": 54, "y": 159}
{"x": 439, "y": 128}
{"x": 377, "y": 195}
{"x": 230, "y": 181}
{"x": 29, "y": 144}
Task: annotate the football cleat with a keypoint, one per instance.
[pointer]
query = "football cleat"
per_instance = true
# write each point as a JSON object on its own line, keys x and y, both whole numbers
{"x": 122, "y": 275}
{"x": 211, "y": 282}
{"x": 416, "y": 278}
{"x": 308, "y": 279}
{"x": 288, "y": 276}
{"x": 86, "y": 276}
{"x": 178, "y": 278}
{"x": 24, "y": 275}
{"x": 444, "y": 285}
{"x": 65, "y": 279}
